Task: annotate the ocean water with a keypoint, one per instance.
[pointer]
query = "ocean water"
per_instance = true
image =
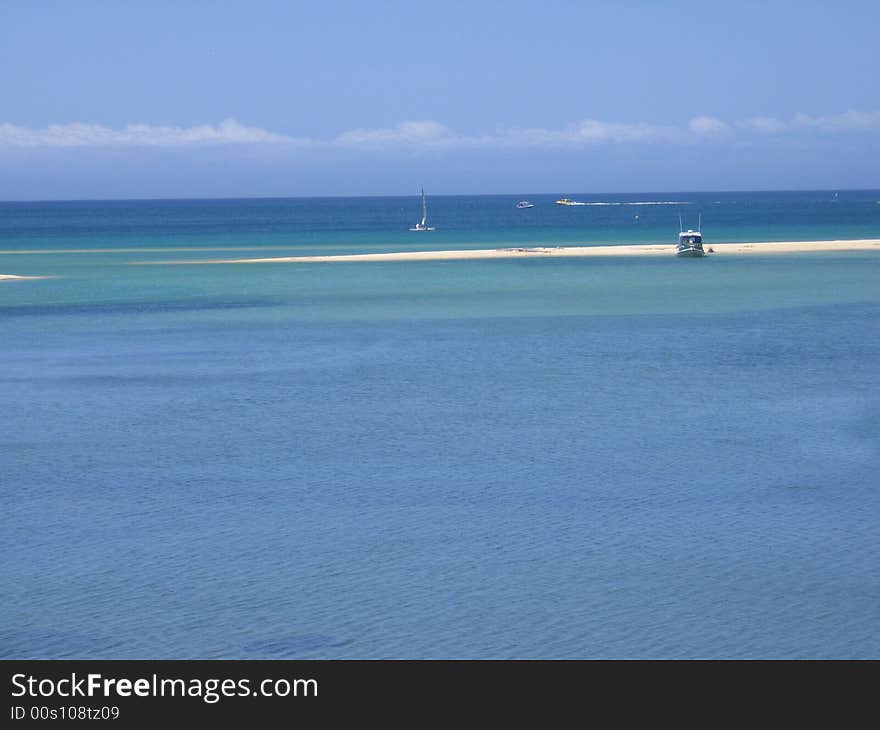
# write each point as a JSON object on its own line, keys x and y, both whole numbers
{"x": 558, "y": 458}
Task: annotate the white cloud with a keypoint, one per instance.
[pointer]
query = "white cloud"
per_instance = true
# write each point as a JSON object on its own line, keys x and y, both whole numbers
{"x": 421, "y": 134}
{"x": 849, "y": 121}
{"x": 585, "y": 132}
{"x": 706, "y": 125}
{"x": 433, "y": 134}
{"x": 143, "y": 135}
{"x": 428, "y": 134}
{"x": 765, "y": 125}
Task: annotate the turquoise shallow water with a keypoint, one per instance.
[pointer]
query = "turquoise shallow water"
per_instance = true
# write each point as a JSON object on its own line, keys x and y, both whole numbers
{"x": 513, "y": 458}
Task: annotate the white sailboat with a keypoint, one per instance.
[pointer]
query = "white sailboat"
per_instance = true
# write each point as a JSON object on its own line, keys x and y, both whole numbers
{"x": 423, "y": 224}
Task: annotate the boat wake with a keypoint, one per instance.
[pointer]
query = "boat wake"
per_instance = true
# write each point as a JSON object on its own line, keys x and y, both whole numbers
{"x": 568, "y": 202}
{"x": 646, "y": 202}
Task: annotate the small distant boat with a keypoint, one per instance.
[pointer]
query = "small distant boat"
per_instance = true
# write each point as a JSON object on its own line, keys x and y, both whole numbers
{"x": 568, "y": 201}
{"x": 524, "y": 204}
{"x": 423, "y": 224}
{"x": 690, "y": 243}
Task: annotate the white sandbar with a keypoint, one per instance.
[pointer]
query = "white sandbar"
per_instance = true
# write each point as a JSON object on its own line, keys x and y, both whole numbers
{"x": 13, "y": 277}
{"x": 557, "y": 251}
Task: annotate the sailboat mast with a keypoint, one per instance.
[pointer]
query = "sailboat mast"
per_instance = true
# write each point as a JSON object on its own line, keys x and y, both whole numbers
{"x": 424, "y": 208}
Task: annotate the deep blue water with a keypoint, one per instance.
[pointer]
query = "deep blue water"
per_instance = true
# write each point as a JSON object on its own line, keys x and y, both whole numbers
{"x": 514, "y": 458}
{"x": 327, "y": 224}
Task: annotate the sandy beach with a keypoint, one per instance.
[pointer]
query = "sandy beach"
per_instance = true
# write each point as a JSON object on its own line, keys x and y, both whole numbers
{"x": 14, "y": 277}
{"x": 770, "y": 247}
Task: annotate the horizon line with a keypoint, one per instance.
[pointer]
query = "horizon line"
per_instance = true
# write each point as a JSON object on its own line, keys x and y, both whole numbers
{"x": 435, "y": 195}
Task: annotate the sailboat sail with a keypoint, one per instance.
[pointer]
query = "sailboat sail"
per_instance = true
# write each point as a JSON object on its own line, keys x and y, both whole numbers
{"x": 423, "y": 224}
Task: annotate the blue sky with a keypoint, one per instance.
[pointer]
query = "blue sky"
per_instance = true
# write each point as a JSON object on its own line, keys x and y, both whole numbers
{"x": 192, "y": 99}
